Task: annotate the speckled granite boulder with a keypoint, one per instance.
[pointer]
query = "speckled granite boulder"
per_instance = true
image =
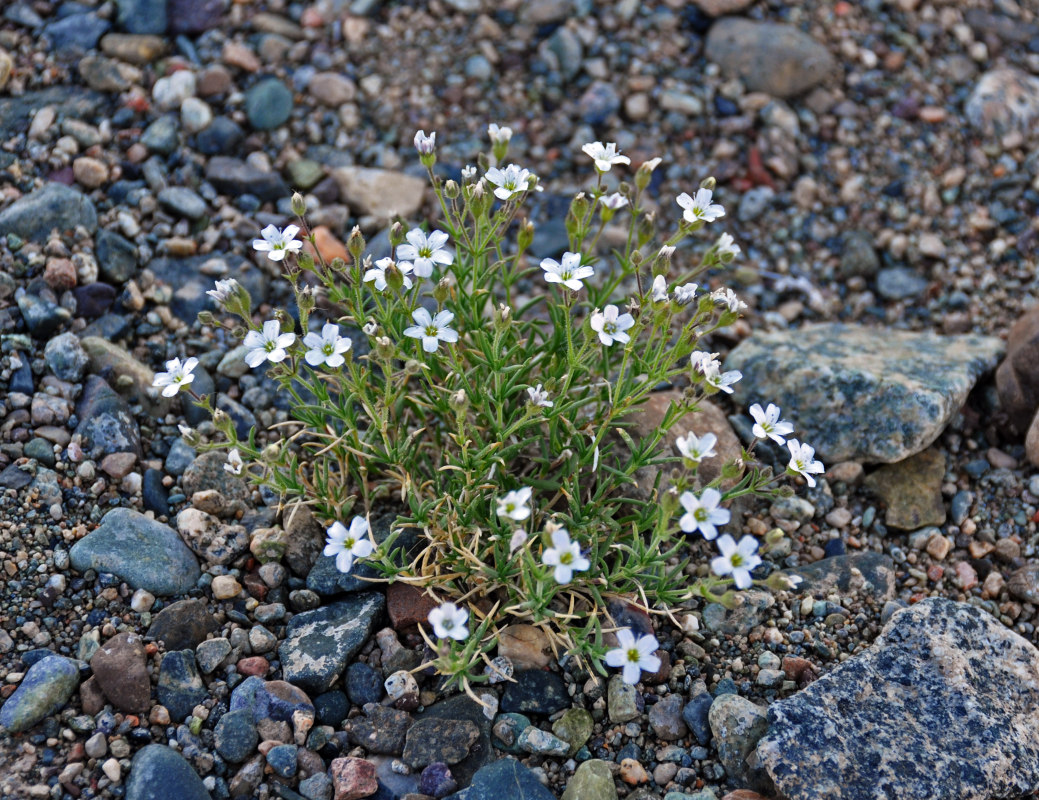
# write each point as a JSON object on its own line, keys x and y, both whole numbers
{"x": 945, "y": 704}
{"x": 862, "y": 394}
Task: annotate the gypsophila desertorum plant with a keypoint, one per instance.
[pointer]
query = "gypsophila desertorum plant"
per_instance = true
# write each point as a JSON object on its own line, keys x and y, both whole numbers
{"x": 494, "y": 408}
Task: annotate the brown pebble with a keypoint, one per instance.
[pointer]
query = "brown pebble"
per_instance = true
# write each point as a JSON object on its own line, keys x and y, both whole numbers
{"x": 238, "y": 55}
{"x": 60, "y": 274}
{"x": 90, "y": 172}
{"x": 118, "y": 465}
{"x": 993, "y": 585}
{"x": 253, "y": 665}
{"x": 938, "y": 546}
{"x": 632, "y": 772}
{"x": 213, "y": 80}
{"x": 1000, "y": 460}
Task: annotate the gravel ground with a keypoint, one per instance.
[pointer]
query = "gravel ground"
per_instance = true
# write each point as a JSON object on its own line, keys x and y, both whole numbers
{"x": 863, "y": 189}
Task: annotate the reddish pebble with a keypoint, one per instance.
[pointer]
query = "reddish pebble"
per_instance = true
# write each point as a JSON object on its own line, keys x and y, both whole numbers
{"x": 407, "y": 605}
{"x": 7, "y": 690}
{"x": 253, "y": 665}
{"x": 327, "y": 245}
{"x": 935, "y": 573}
{"x": 966, "y": 577}
{"x": 255, "y": 586}
{"x": 60, "y": 274}
{"x": 353, "y": 778}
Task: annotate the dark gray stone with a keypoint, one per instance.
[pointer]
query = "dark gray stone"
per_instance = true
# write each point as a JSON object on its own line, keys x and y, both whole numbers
{"x": 162, "y": 136}
{"x": 72, "y": 102}
{"x": 235, "y": 736}
{"x": 865, "y": 574}
{"x": 42, "y": 316}
{"x": 153, "y": 493}
{"x": 190, "y": 286}
{"x": 183, "y": 625}
{"x": 506, "y": 778}
{"x": 116, "y": 256}
{"x": 319, "y": 644}
{"x": 463, "y": 707}
{"x": 858, "y": 393}
{"x": 66, "y": 357}
{"x": 220, "y": 138}
{"x": 277, "y": 700}
{"x": 363, "y": 684}
{"x": 53, "y": 206}
{"x": 535, "y": 691}
{"x": 325, "y": 578}
{"x": 180, "y": 686}
{"x": 156, "y": 769}
{"x": 195, "y": 16}
{"x": 45, "y": 689}
{"x": 182, "y": 201}
{"x": 76, "y": 33}
{"x": 945, "y": 703}
{"x": 695, "y": 716}
{"x": 431, "y": 740}
{"x": 106, "y": 423}
{"x": 142, "y": 16}
{"x": 233, "y": 177}
{"x": 14, "y": 477}
{"x": 140, "y": 550}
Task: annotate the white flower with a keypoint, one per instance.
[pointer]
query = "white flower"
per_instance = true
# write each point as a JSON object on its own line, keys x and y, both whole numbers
{"x": 702, "y": 362}
{"x": 511, "y": 180}
{"x": 176, "y": 377}
{"x": 377, "y": 273}
{"x": 614, "y": 202}
{"x": 570, "y": 273}
{"x": 499, "y": 134}
{"x": 702, "y": 514}
{"x": 605, "y": 156}
{"x": 224, "y": 290}
{"x": 370, "y": 328}
{"x": 431, "y": 330}
{"x": 699, "y": 207}
{"x": 468, "y": 172}
{"x": 652, "y": 164}
{"x": 425, "y": 144}
{"x": 727, "y": 248}
{"x": 722, "y": 381}
{"x": 276, "y": 243}
{"x": 684, "y": 294}
{"x": 348, "y": 544}
{"x": 539, "y": 397}
{"x": 659, "y": 289}
{"x": 185, "y": 431}
{"x": 802, "y": 461}
{"x": 696, "y": 449}
{"x": 768, "y": 424}
{"x": 326, "y": 347}
{"x": 448, "y": 621}
{"x": 728, "y": 298}
{"x": 565, "y": 556}
{"x": 635, "y": 655}
{"x": 518, "y": 539}
{"x": 267, "y": 346}
{"x": 736, "y": 559}
{"x": 423, "y": 251}
{"x": 611, "y": 325}
{"x": 514, "y": 504}
{"x": 234, "y": 463}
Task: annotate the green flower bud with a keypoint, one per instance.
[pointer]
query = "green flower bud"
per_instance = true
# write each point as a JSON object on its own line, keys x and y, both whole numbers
{"x": 394, "y": 277}
{"x": 355, "y": 244}
{"x": 305, "y": 260}
{"x": 442, "y": 290}
{"x": 708, "y": 183}
{"x": 396, "y": 234}
{"x": 458, "y": 401}
{"x": 579, "y": 206}
{"x": 384, "y": 348}
{"x": 206, "y": 318}
{"x": 525, "y": 236}
{"x": 452, "y": 190}
{"x": 299, "y": 205}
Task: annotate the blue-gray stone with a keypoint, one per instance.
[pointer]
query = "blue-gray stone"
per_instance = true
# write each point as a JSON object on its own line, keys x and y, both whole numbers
{"x": 333, "y": 706}
{"x": 737, "y": 725}
{"x": 695, "y": 717}
{"x": 235, "y": 736}
{"x": 43, "y": 451}
{"x": 268, "y": 104}
{"x": 66, "y": 357}
{"x": 363, "y": 684}
{"x": 945, "y": 703}
{"x": 106, "y": 423}
{"x": 142, "y": 551}
{"x": 325, "y": 578}
{"x": 182, "y": 201}
{"x": 858, "y": 393}
{"x": 282, "y": 759}
{"x": 243, "y": 419}
{"x": 317, "y": 787}
{"x": 180, "y": 457}
{"x": 156, "y": 771}
{"x": 221, "y": 137}
{"x": 961, "y": 504}
{"x": 42, "y": 316}
{"x": 190, "y": 286}
{"x": 45, "y": 689}
{"x": 535, "y": 691}
{"x": 234, "y": 177}
{"x": 116, "y": 256}
{"x": 142, "y": 16}
{"x": 320, "y": 643}
{"x": 180, "y": 687}
{"x": 154, "y": 494}
{"x": 14, "y": 477}
{"x": 741, "y": 619}
{"x": 78, "y": 32}
{"x": 276, "y": 700}
{"x": 53, "y": 206}
{"x": 506, "y": 778}
{"x": 162, "y": 136}
{"x": 900, "y": 283}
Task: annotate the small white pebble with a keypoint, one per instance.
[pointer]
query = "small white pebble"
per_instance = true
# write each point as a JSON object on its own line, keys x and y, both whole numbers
{"x": 113, "y": 770}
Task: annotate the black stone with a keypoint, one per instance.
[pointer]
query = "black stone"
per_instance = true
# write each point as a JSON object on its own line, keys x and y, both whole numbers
{"x": 155, "y": 496}
{"x": 183, "y": 625}
{"x": 107, "y": 425}
{"x": 116, "y": 256}
{"x": 695, "y": 717}
{"x": 233, "y": 177}
{"x": 535, "y": 691}
{"x": 506, "y": 778}
{"x": 180, "y": 688}
{"x": 363, "y": 685}
{"x": 331, "y": 707}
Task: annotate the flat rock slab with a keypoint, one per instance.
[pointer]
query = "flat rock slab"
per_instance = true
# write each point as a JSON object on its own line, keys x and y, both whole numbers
{"x": 319, "y": 644}
{"x": 862, "y": 394}
{"x": 54, "y": 206}
{"x": 160, "y": 773}
{"x": 945, "y": 704}
{"x": 912, "y": 490}
{"x": 140, "y": 550}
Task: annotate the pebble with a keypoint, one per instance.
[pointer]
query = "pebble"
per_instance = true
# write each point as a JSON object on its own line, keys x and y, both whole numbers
{"x": 225, "y": 587}
{"x": 592, "y": 780}
{"x": 268, "y": 104}
{"x": 44, "y": 690}
{"x": 155, "y": 768}
{"x": 535, "y": 692}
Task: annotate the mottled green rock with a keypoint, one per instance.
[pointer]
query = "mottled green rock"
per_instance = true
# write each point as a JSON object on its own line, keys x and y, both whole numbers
{"x": 44, "y": 690}
{"x": 575, "y": 727}
{"x": 622, "y": 700}
{"x": 592, "y": 781}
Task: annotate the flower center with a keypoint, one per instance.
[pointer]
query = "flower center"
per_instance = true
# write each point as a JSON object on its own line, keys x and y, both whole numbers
{"x": 448, "y": 624}
{"x": 431, "y": 330}
{"x": 349, "y": 542}
{"x": 510, "y": 507}
{"x": 634, "y": 655}
{"x": 328, "y": 348}
{"x": 425, "y": 252}
{"x": 700, "y": 515}
{"x": 566, "y": 558}
{"x": 565, "y": 274}
{"x": 736, "y": 560}
{"x": 270, "y": 346}
{"x": 609, "y": 327}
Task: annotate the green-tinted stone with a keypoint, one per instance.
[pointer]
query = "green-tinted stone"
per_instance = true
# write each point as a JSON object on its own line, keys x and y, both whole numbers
{"x": 575, "y": 727}
{"x": 592, "y": 781}
{"x": 304, "y": 173}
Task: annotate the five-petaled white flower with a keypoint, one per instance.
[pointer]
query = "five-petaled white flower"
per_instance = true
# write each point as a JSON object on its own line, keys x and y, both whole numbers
{"x": 347, "y": 544}
{"x": 604, "y": 155}
{"x": 802, "y": 461}
{"x": 685, "y": 293}
{"x": 377, "y": 272}
{"x": 614, "y": 202}
{"x": 468, "y": 172}
{"x": 514, "y": 504}
{"x": 268, "y": 345}
{"x": 431, "y": 330}
{"x": 224, "y": 290}
{"x": 448, "y": 621}
{"x": 570, "y": 273}
{"x": 424, "y": 251}
{"x": 511, "y": 180}
{"x": 425, "y": 144}
{"x": 727, "y": 247}
{"x": 736, "y": 559}
{"x": 696, "y": 448}
{"x": 768, "y": 424}
{"x": 276, "y": 243}
{"x": 539, "y": 397}
{"x": 659, "y": 289}
{"x": 611, "y": 325}
{"x": 176, "y": 377}
{"x": 699, "y": 207}
{"x": 499, "y": 134}
{"x": 729, "y": 299}
{"x": 702, "y": 361}
{"x": 634, "y": 655}
{"x": 565, "y": 556}
{"x": 234, "y": 463}
{"x": 722, "y": 381}
{"x": 326, "y": 347}
{"x": 702, "y": 513}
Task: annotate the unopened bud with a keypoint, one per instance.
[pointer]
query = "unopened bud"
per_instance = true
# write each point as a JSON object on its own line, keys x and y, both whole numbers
{"x": 526, "y": 235}
{"x": 356, "y": 244}
{"x": 502, "y": 316}
{"x": 370, "y": 328}
{"x": 299, "y": 205}
{"x": 337, "y": 265}
{"x": 458, "y": 401}
{"x": 396, "y": 234}
{"x": 644, "y": 173}
{"x": 305, "y": 300}
{"x": 384, "y": 348}
{"x": 579, "y": 206}
{"x": 305, "y": 260}
{"x": 452, "y": 190}
{"x": 636, "y": 259}
{"x": 206, "y": 318}
{"x": 482, "y": 162}
{"x": 708, "y": 183}
{"x": 272, "y": 452}
{"x": 394, "y": 277}
{"x": 220, "y": 417}
{"x": 442, "y": 290}
{"x": 413, "y": 366}
{"x": 647, "y": 227}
